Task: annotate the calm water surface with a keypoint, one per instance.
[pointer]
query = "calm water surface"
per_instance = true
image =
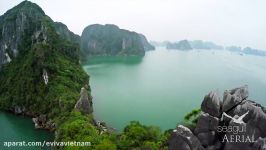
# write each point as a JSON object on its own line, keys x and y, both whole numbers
{"x": 160, "y": 88}
{"x": 17, "y": 128}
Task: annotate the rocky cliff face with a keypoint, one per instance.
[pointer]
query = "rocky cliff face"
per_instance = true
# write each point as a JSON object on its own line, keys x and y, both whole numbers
{"x": 62, "y": 30}
{"x": 147, "y": 46}
{"x": 84, "y": 104}
{"x": 16, "y": 24}
{"x": 25, "y": 23}
{"x": 40, "y": 72}
{"x": 181, "y": 45}
{"x": 232, "y": 124}
{"x": 110, "y": 40}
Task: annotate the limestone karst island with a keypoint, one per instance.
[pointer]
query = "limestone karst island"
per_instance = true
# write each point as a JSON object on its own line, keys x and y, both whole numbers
{"x": 132, "y": 75}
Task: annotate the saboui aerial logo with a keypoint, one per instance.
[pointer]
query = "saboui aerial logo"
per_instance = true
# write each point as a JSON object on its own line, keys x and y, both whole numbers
{"x": 236, "y": 131}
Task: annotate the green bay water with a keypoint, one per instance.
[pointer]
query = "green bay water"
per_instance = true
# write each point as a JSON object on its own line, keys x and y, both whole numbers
{"x": 18, "y": 128}
{"x": 164, "y": 85}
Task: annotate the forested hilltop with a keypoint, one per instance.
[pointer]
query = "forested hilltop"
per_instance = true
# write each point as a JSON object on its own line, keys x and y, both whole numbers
{"x": 111, "y": 40}
{"x": 40, "y": 70}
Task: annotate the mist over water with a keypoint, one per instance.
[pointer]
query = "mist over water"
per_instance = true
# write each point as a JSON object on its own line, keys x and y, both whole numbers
{"x": 161, "y": 87}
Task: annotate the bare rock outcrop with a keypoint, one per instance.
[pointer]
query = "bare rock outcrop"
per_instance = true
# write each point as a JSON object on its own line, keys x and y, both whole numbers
{"x": 42, "y": 122}
{"x": 212, "y": 104}
{"x": 182, "y": 138}
{"x": 234, "y": 124}
{"x": 84, "y": 104}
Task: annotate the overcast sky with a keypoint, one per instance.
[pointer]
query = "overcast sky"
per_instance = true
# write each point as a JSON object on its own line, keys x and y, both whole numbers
{"x": 226, "y": 22}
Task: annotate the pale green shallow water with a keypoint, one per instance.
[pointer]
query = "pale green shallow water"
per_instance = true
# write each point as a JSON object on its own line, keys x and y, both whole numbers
{"x": 160, "y": 88}
{"x": 17, "y": 129}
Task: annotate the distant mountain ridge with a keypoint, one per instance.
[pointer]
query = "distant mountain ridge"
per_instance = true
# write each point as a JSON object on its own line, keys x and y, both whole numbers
{"x": 181, "y": 45}
{"x": 247, "y": 50}
{"x": 157, "y": 43}
{"x": 188, "y": 45}
{"x": 199, "y": 44}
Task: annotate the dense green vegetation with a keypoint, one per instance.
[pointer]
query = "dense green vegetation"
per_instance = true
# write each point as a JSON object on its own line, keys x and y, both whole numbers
{"x": 79, "y": 127}
{"x": 140, "y": 136}
{"x": 191, "y": 119}
{"x": 64, "y": 32}
{"x": 21, "y": 80}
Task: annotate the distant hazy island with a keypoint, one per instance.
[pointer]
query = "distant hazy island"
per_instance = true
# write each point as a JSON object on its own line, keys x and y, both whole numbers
{"x": 111, "y": 40}
{"x": 181, "y": 45}
{"x": 199, "y": 44}
{"x": 247, "y": 50}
